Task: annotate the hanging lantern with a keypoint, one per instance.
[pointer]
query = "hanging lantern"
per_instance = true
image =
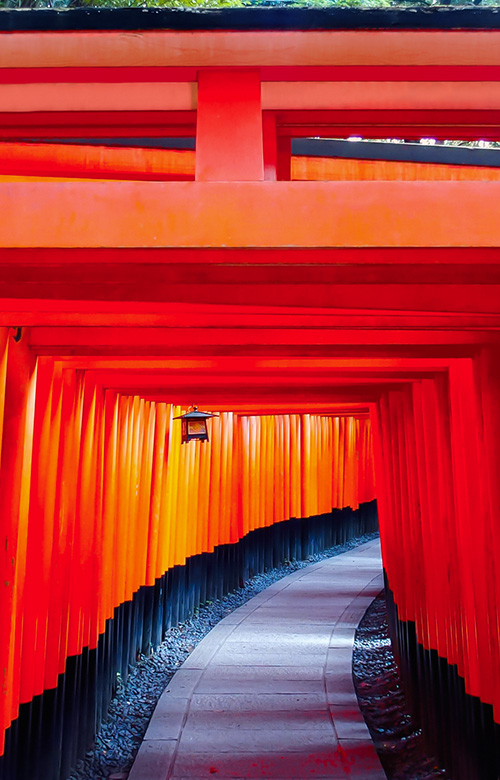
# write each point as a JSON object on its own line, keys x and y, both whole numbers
{"x": 194, "y": 425}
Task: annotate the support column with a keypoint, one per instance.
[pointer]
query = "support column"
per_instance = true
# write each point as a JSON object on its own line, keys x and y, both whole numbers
{"x": 284, "y": 158}
{"x": 270, "y": 146}
{"x": 229, "y": 138}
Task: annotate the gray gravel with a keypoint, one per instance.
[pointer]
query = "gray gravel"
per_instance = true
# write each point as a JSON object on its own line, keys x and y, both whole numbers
{"x": 130, "y": 711}
{"x": 397, "y": 737}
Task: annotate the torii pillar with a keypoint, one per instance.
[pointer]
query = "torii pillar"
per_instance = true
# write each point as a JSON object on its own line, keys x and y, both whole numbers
{"x": 235, "y": 141}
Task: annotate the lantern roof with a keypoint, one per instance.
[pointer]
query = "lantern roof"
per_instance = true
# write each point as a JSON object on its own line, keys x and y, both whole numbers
{"x": 195, "y": 415}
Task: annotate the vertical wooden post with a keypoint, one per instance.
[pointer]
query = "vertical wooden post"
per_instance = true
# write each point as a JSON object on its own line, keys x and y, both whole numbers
{"x": 270, "y": 146}
{"x": 229, "y": 145}
{"x": 284, "y": 159}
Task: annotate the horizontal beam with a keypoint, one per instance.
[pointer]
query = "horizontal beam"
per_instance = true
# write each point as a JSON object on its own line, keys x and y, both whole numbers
{"x": 444, "y": 351}
{"x": 170, "y": 96}
{"x": 75, "y": 337}
{"x": 380, "y": 96}
{"x": 201, "y": 365}
{"x": 217, "y": 48}
{"x": 27, "y": 258}
{"x": 171, "y": 383}
{"x": 359, "y": 410}
{"x": 329, "y": 123}
{"x": 439, "y": 298}
{"x": 260, "y": 214}
{"x": 387, "y": 123}
{"x": 158, "y": 74}
{"x": 100, "y": 124}
{"x": 145, "y": 277}
{"x": 227, "y": 395}
{"x": 276, "y": 95}
{"x": 78, "y": 312}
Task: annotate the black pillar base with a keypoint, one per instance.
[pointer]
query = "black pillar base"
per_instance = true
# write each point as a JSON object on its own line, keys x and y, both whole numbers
{"x": 457, "y": 727}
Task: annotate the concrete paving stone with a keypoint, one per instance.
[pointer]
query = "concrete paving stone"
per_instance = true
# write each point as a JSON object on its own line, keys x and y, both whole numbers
{"x": 338, "y": 684}
{"x": 268, "y": 658}
{"x": 349, "y": 722}
{"x": 153, "y": 760}
{"x": 338, "y": 661}
{"x": 336, "y": 677}
{"x": 342, "y": 698}
{"x": 340, "y": 655}
{"x": 361, "y": 760}
{"x": 246, "y": 632}
{"x": 201, "y": 655}
{"x": 258, "y": 673}
{"x": 235, "y": 619}
{"x": 292, "y": 636}
{"x": 308, "y": 643}
{"x": 183, "y": 682}
{"x": 168, "y": 718}
{"x": 327, "y": 763}
{"x": 292, "y": 599}
{"x": 354, "y": 616}
{"x": 346, "y": 620}
{"x": 273, "y": 720}
{"x": 239, "y": 612}
{"x": 222, "y": 631}
{"x": 341, "y": 691}
{"x": 211, "y": 685}
{"x": 259, "y": 619}
{"x": 258, "y": 741}
{"x": 240, "y": 702}
{"x": 343, "y": 636}
{"x": 318, "y": 613}
{"x": 295, "y": 602}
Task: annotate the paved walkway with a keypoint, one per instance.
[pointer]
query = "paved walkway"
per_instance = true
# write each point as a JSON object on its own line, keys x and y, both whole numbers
{"x": 269, "y": 691}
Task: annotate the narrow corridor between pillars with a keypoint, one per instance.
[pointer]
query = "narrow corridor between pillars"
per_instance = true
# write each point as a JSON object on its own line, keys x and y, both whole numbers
{"x": 269, "y": 691}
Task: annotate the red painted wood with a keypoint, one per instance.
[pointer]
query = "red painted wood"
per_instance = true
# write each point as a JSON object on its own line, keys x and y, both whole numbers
{"x": 229, "y": 140}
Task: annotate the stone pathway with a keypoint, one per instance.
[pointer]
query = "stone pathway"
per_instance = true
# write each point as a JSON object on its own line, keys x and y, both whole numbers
{"x": 269, "y": 691}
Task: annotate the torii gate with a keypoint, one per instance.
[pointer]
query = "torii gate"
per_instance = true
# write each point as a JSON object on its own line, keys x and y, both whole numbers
{"x": 145, "y": 269}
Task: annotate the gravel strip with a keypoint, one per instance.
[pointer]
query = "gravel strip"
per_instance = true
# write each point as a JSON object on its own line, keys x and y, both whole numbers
{"x": 129, "y": 713}
{"x": 399, "y": 741}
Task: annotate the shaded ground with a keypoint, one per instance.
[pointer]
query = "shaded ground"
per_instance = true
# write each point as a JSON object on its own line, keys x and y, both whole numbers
{"x": 398, "y": 739}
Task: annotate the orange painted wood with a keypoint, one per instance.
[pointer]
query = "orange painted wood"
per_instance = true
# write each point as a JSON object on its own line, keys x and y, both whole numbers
{"x": 276, "y": 95}
{"x": 336, "y": 169}
{"x": 101, "y": 162}
{"x": 373, "y": 96}
{"x": 16, "y": 459}
{"x": 249, "y": 49}
{"x": 253, "y": 214}
{"x": 180, "y": 96}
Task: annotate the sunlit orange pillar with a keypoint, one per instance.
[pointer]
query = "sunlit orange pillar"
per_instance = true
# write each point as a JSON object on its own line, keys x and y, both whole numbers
{"x": 19, "y": 380}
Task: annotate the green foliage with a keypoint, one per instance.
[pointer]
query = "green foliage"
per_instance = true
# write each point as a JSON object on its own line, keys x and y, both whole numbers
{"x": 208, "y": 4}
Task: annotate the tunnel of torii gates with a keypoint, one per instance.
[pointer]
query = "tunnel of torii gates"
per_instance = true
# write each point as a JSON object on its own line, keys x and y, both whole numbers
{"x": 346, "y": 330}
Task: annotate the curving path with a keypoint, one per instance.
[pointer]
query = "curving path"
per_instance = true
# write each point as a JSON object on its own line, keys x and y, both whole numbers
{"x": 269, "y": 691}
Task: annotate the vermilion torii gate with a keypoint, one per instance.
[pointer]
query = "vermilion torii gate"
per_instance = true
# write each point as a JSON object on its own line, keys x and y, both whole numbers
{"x": 144, "y": 278}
